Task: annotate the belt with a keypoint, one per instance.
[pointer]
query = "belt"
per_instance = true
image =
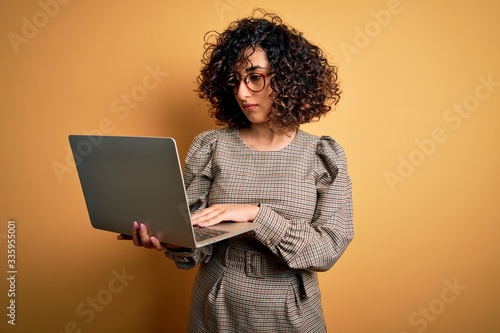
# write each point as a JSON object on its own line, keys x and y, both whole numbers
{"x": 254, "y": 263}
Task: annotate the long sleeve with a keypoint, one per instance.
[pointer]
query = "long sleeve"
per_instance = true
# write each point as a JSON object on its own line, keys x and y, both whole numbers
{"x": 197, "y": 179}
{"x": 314, "y": 245}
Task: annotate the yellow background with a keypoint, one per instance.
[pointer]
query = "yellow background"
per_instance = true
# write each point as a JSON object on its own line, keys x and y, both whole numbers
{"x": 426, "y": 253}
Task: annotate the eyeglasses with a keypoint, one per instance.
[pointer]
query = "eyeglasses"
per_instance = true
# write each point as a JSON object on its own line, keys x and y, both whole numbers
{"x": 255, "y": 82}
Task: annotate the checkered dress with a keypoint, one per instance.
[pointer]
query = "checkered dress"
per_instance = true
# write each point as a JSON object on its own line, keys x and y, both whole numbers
{"x": 266, "y": 280}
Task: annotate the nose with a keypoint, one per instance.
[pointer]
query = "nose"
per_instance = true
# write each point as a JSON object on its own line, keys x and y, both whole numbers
{"x": 242, "y": 90}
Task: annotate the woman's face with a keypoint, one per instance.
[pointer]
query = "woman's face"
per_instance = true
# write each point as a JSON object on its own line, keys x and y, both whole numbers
{"x": 255, "y": 105}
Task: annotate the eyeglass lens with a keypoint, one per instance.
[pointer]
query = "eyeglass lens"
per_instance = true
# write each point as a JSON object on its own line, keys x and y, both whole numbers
{"x": 254, "y": 81}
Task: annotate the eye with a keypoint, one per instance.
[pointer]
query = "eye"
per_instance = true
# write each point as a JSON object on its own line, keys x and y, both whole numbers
{"x": 254, "y": 77}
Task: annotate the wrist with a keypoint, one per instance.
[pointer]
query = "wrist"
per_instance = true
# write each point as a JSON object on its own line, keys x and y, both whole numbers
{"x": 255, "y": 211}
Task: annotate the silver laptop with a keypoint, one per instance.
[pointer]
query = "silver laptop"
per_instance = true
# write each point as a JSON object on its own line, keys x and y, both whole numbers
{"x": 126, "y": 179}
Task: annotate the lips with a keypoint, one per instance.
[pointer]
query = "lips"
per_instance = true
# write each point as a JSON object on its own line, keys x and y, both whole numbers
{"x": 249, "y": 107}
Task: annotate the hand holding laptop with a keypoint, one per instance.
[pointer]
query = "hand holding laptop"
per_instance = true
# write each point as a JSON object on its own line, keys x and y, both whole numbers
{"x": 207, "y": 217}
{"x": 140, "y": 237}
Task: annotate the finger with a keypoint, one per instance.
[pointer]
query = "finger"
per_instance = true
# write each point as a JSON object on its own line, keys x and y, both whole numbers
{"x": 210, "y": 210}
{"x": 209, "y": 217}
{"x": 211, "y": 221}
{"x": 144, "y": 237}
{"x": 123, "y": 237}
{"x": 156, "y": 244}
{"x": 204, "y": 221}
{"x": 135, "y": 234}
{"x": 198, "y": 216}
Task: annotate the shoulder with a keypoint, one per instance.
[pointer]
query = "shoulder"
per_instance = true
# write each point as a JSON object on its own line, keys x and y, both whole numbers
{"x": 327, "y": 149}
{"x": 210, "y": 136}
{"x": 206, "y": 142}
{"x": 202, "y": 144}
{"x": 205, "y": 137}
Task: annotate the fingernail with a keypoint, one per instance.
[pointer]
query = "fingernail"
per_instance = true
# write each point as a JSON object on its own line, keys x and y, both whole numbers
{"x": 142, "y": 227}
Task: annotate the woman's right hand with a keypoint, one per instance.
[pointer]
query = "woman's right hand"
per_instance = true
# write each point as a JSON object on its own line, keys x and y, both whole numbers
{"x": 140, "y": 237}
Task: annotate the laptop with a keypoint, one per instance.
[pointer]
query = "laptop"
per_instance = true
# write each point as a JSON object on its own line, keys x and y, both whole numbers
{"x": 130, "y": 178}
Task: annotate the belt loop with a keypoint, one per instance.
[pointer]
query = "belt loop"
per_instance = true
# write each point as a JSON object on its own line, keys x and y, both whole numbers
{"x": 226, "y": 253}
{"x": 302, "y": 288}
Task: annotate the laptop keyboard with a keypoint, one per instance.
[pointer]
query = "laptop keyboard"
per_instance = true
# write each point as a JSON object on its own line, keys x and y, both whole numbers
{"x": 205, "y": 233}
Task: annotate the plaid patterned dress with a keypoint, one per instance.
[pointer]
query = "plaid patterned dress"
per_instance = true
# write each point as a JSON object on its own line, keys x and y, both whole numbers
{"x": 266, "y": 280}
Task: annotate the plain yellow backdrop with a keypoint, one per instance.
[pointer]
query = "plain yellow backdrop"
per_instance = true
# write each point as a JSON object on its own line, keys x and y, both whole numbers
{"x": 418, "y": 118}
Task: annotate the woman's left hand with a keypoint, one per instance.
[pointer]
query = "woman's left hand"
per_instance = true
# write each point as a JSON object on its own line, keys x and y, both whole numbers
{"x": 225, "y": 212}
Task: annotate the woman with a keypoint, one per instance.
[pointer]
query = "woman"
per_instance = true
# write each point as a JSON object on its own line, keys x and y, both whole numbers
{"x": 263, "y": 80}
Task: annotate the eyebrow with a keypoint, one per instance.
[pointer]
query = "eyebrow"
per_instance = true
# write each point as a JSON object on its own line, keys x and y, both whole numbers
{"x": 254, "y": 68}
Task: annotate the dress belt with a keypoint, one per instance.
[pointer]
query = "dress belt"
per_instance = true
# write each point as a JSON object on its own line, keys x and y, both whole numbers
{"x": 254, "y": 263}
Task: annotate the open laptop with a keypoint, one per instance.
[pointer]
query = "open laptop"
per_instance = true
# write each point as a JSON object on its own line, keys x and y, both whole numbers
{"x": 126, "y": 179}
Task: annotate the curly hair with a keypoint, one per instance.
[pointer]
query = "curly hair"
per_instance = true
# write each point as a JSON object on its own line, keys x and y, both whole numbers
{"x": 304, "y": 87}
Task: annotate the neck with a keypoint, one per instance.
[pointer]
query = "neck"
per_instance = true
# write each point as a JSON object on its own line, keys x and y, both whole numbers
{"x": 261, "y": 137}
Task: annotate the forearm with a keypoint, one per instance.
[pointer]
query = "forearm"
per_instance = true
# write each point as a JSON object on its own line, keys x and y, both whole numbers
{"x": 300, "y": 243}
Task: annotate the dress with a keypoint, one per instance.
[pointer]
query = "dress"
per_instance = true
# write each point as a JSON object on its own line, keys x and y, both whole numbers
{"x": 266, "y": 280}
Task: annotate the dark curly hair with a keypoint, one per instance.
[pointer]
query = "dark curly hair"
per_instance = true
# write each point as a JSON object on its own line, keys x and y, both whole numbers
{"x": 305, "y": 85}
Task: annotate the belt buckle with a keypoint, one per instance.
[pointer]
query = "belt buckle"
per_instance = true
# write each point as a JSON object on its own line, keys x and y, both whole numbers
{"x": 255, "y": 265}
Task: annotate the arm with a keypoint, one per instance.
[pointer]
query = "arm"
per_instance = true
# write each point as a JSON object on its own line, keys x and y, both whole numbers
{"x": 198, "y": 181}
{"x": 317, "y": 244}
